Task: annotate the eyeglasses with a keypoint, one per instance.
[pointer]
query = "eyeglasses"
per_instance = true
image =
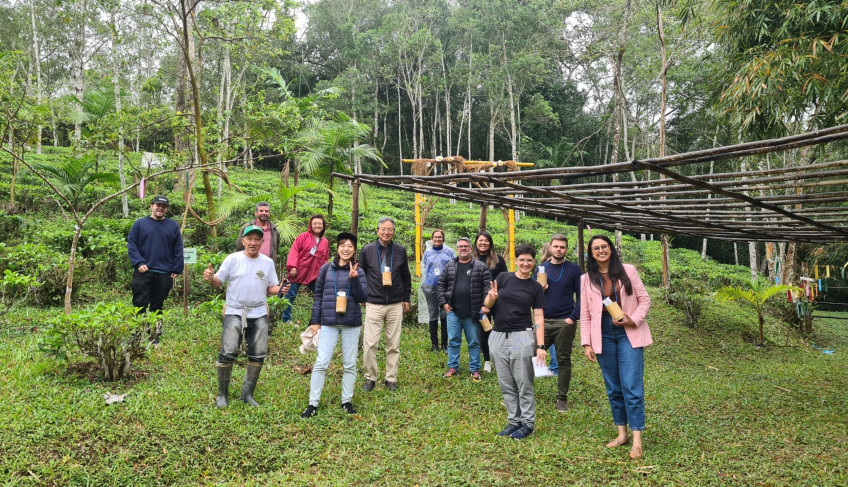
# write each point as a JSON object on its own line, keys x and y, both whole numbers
{"x": 600, "y": 247}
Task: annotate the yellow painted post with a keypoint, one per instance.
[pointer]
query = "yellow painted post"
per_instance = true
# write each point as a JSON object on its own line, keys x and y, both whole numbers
{"x": 511, "y": 237}
{"x": 418, "y": 234}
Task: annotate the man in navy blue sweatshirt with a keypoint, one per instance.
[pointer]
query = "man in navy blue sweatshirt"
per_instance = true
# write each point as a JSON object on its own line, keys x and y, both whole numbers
{"x": 562, "y": 310}
{"x": 155, "y": 248}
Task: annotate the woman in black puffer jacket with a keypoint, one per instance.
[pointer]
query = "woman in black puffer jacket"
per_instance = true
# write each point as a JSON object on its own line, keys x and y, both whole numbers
{"x": 338, "y": 281}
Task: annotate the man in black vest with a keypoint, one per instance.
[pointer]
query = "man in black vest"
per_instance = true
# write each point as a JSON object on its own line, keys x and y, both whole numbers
{"x": 464, "y": 284}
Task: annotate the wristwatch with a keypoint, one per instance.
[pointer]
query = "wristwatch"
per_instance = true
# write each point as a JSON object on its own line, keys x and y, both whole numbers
{"x": 540, "y": 347}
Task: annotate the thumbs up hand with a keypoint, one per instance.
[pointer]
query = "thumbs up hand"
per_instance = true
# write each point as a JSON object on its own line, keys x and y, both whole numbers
{"x": 209, "y": 273}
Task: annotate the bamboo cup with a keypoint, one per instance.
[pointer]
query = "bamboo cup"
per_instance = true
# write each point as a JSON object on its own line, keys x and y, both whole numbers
{"x": 387, "y": 276}
{"x": 542, "y": 277}
{"x": 614, "y": 309}
{"x": 341, "y": 302}
{"x": 485, "y": 323}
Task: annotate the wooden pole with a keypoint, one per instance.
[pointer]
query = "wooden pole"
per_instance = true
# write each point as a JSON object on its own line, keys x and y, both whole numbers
{"x": 484, "y": 208}
{"x": 511, "y": 236}
{"x": 418, "y": 234}
{"x": 185, "y": 289}
{"x": 581, "y": 247}
{"x": 354, "y": 217}
{"x": 665, "y": 271}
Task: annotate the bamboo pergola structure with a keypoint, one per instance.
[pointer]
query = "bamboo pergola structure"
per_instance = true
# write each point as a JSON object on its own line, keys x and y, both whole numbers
{"x": 454, "y": 165}
{"x": 805, "y": 203}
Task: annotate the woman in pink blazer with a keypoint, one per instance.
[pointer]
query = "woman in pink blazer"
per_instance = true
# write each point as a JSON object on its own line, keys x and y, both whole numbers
{"x": 617, "y": 346}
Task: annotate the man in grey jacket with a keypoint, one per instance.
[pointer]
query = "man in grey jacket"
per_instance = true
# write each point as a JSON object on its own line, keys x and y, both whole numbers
{"x": 461, "y": 289}
{"x": 270, "y": 237}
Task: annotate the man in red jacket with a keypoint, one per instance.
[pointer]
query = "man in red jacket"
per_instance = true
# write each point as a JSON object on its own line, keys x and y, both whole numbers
{"x": 308, "y": 253}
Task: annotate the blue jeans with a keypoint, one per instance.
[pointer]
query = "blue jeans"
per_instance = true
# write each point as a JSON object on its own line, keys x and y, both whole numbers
{"x": 293, "y": 294}
{"x": 623, "y": 368}
{"x": 327, "y": 341}
{"x": 554, "y": 367}
{"x": 456, "y": 326}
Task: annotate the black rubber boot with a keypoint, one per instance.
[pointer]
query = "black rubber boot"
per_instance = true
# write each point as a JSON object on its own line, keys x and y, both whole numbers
{"x": 444, "y": 333}
{"x": 225, "y": 372}
{"x": 251, "y": 375}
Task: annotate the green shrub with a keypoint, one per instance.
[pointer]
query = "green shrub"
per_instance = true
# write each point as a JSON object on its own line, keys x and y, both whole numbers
{"x": 15, "y": 288}
{"x": 688, "y": 296}
{"x": 46, "y": 265}
{"x": 114, "y": 334}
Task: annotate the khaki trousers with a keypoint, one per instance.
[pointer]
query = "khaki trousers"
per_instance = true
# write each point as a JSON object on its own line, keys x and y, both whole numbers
{"x": 378, "y": 316}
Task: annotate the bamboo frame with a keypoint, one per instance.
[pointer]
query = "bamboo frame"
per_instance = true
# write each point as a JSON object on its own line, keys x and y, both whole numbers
{"x": 803, "y": 203}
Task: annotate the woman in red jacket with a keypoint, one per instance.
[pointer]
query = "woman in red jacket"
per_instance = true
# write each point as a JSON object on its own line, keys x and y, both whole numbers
{"x": 617, "y": 344}
{"x": 308, "y": 253}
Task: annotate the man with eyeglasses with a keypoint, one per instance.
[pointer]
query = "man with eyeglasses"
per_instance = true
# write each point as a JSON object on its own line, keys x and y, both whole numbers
{"x": 463, "y": 286}
{"x": 389, "y": 285}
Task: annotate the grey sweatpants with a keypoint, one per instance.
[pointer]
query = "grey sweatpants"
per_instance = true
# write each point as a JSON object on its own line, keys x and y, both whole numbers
{"x": 512, "y": 354}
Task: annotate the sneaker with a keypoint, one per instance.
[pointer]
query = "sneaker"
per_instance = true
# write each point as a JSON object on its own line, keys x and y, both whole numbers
{"x": 487, "y": 367}
{"x": 562, "y": 405}
{"x": 309, "y": 412}
{"x": 553, "y": 372}
{"x": 348, "y": 407}
{"x": 475, "y": 376}
{"x": 450, "y": 373}
{"x": 510, "y": 429}
{"x": 521, "y": 433}
{"x": 392, "y": 386}
{"x": 288, "y": 323}
{"x": 368, "y": 386}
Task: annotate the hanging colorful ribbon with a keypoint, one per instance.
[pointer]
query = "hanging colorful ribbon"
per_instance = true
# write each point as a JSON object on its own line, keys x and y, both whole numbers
{"x": 141, "y": 188}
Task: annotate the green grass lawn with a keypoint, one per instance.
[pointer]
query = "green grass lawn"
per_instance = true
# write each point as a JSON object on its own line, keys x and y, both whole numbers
{"x": 719, "y": 412}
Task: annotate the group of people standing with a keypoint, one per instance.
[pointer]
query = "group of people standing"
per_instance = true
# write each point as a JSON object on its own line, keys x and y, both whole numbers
{"x": 535, "y": 308}
{"x": 510, "y": 318}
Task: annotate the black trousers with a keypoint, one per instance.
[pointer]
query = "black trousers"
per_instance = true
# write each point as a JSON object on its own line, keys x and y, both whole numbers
{"x": 150, "y": 289}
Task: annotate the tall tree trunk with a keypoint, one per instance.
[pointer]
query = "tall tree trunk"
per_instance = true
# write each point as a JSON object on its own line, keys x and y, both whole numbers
{"x": 400, "y": 131}
{"x": 468, "y": 95}
{"x": 664, "y": 74}
{"x": 448, "y": 134}
{"x": 116, "y": 81}
{"x": 78, "y": 62}
{"x": 194, "y": 78}
{"x": 36, "y": 56}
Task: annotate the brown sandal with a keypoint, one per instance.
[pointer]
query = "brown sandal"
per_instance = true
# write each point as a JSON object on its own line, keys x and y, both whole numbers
{"x": 616, "y": 442}
{"x": 635, "y": 452}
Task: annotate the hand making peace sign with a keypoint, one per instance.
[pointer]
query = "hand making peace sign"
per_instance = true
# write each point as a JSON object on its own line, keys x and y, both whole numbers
{"x": 354, "y": 267}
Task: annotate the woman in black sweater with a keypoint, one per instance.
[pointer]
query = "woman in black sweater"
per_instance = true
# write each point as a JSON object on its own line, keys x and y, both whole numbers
{"x": 484, "y": 251}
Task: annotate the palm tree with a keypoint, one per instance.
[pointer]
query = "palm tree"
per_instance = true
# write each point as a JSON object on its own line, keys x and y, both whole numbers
{"x": 281, "y": 200}
{"x": 755, "y": 292}
{"x": 330, "y": 146}
{"x": 72, "y": 177}
{"x": 69, "y": 180}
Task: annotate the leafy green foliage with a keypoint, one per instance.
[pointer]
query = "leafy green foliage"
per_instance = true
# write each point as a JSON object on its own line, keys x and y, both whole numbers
{"x": 755, "y": 292}
{"x": 15, "y": 288}
{"x": 72, "y": 177}
{"x": 46, "y": 265}
{"x": 787, "y": 63}
{"x": 688, "y": 296}
{"x": 114, "y": 334}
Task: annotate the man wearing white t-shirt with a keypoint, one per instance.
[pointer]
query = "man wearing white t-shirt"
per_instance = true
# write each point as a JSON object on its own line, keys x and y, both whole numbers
{"x": 250, "y": 278}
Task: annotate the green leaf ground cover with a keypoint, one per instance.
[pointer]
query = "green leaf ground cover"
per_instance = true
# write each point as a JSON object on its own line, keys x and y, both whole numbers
{"x": 719, "y": 413}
